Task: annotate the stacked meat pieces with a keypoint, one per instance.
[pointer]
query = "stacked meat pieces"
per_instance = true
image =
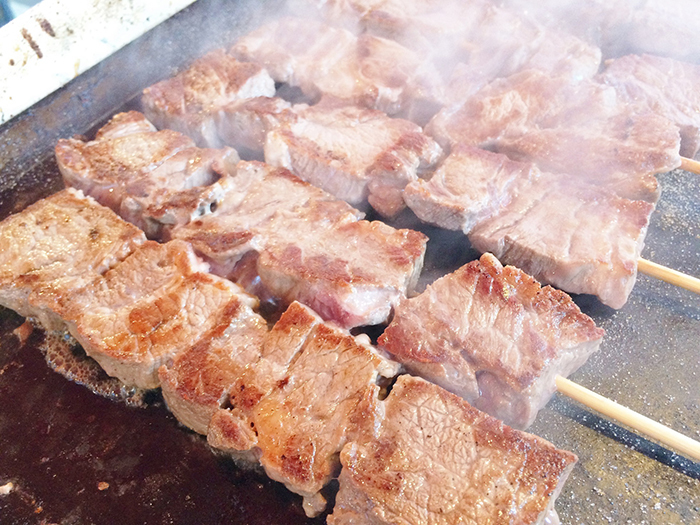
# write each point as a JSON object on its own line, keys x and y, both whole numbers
{"x": 478, "y": 76}
{"x": 278, "y": 236}
{"x": 303, "y": 399}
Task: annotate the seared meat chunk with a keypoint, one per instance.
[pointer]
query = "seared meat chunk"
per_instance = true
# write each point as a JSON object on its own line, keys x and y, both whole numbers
{"x": 55, "y": 246}
{"x": 321, "y": 60}
{"x": 154, "y": 304}
{"x": 355, "y": 154}
{"x": 232, "y": 428}
{"x": 582, "y": 128}
{"x": 493, "y": 336}
{"x": 191, "y": 102}
{"x": 560, "y": 229}
{"x": 310, "y": 247}
{"x": 663, "y": 86}
{"x": 436, "y": 459}
{"x": 154, "y": 179}
{"x": 304, "y": 418}
{"x": 197, "y": 381}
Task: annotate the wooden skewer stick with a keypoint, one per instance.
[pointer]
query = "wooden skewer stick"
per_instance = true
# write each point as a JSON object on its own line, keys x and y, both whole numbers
{"x": 690, "y": 165}
{"x": 667, "y": 274}
{"x": 632, "y": 419}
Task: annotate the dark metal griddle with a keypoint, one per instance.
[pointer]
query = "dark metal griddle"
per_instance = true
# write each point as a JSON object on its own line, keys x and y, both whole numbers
{"x": 77, "y": 458}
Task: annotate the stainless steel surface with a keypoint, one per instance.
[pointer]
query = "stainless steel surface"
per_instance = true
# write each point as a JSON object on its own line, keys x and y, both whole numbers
{"x": 649, "y": 360}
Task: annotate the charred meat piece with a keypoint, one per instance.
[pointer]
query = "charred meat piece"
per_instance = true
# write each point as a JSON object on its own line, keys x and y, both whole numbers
{"x": 304, "y": 419}
{"x": 493, "y": 336}
{"x": 232, "y": 428}
{"x": 153, "y": 179}
{"x": 662, "y": 86}
{"x": 197, "y": 381}
{"x": 310, "y": 247}
{"x": 355, "y": 154}
{"x": 435, "y": 459}
{"x": 154, "y": 304}
{"x": 191, "y": 101}
{"x": 560, "y": 229}
{"x": 324, "y": 61}
{"x": 56, "y": 246}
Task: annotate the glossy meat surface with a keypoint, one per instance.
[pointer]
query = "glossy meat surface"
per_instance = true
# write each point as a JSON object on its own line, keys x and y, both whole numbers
{"x": 563, "y": 231}
{"x": 493, "y": 336}
{"x": 437, "y": 460}
{"x": 311, "y": 247}
{"x": 154, "y": 179}
{"x": 54, "y": 247}
{"x": 355, "y": 154}
{"x": 191, "y": 102}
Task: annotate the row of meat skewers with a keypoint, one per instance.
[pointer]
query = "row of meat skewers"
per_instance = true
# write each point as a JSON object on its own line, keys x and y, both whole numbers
{"x": 282, "y": 239}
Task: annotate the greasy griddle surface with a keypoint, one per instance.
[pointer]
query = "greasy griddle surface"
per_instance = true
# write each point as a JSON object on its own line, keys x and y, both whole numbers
{"x": 60, "y": 444}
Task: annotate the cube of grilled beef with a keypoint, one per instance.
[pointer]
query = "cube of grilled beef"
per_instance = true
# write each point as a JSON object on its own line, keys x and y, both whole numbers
{"x": 581, "y": 128}
{"x": 244, "y": 124}
{"x": 154, "y": 179}
{"x": 435, "y": 459}
{"x": 562, "y": 230}
{"x": 493, "y": 336}
{"x": 154, "y": 304}
{"x": 621, "y": 153}
{"x": 197, "y": 381}
{"x": 191, "y": 101}
{"x": 303, "y": 413}
{"x": 232, "y": 428}
{"x": 311, "y": 247}
{"x": 513, "y": 105}
{"x": 356, "y": 154}
{"x": 663, "y": 86}
{"x": 486, "y": 40}
{"x": 55, "y": 246}
{"x": 321, "y": 60}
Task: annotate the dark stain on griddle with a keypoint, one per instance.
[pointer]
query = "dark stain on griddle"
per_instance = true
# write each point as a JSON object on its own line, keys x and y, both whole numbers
{"x": 28, "y": 37}
{"x": 46, "y": 27}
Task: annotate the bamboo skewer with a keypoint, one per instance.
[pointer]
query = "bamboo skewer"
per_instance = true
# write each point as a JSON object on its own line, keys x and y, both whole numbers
{"x": 670, "y": 276}
{"x": 690, "y": 165}
{"x": 630, "y": 418}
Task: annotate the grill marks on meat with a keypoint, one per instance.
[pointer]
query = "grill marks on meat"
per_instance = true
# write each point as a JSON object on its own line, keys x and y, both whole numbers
{"x": 435, "y": 459}
{"x": 355, "y": 154}
{"x": 561, "y": 230}
{"x": 154, "y": 179}
{"x": 321, "y": 60}
{"x": 193, "y": 101}
{"x": 493, "y": 336}
{"x": 55, "y": 246}
{"x": 156, "y": 303}
{"x": 662, "y": 86}
{"x": 303, "y": 399}
{"x": 311, "y": 247}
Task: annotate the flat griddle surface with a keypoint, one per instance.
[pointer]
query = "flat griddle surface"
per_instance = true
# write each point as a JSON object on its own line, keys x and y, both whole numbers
{"x": 75, "y": 457}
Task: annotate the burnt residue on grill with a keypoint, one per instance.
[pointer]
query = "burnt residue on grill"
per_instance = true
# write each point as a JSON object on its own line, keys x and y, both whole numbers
{"x": 32, "y": 43}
